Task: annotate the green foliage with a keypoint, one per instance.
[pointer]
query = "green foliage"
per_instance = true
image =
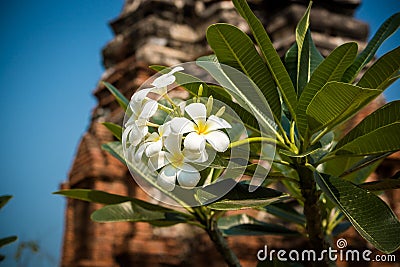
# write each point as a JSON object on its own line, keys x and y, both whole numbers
{"x": 239, "y": 196}
{"x": 385, "y": 31}
{"x": 271, "y": 57}
{"x": 9, "y": 239}
{"x": 311, "y": 98}
{"x": 335, "y": 103}
{"x": 376, "y": 134}
{"x": 371, "y": 216}
{"x": 331, "y": 69}
{"x": 134, "y": 211}
{"x": 122, "y": 101}
{"x": 115, "y": 129}
{"x": 246, "y": 225}
{"x": 234, "y": 48}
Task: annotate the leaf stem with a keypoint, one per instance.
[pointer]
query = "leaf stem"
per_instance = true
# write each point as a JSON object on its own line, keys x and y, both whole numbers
{"x": 258, "y": 139}
{"x": 319, "y": 136}
{"x": 165, "y": 108}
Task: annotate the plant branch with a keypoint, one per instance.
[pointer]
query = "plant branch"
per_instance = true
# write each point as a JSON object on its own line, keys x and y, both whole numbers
{"x": 222, "y": 246}
{"x": 312, "y": 211}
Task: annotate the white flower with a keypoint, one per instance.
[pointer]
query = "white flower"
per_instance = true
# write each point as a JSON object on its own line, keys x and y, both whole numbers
{"x": 160, "y": 84}
{"x": 174, "y": 165}
{"x": 153, "y": 143}
{"x": 142, "y": 109}
{"x": 202, "y": 129}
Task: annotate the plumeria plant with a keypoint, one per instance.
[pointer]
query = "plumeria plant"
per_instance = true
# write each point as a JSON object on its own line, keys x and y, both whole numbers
{"x": 263, "y": 121}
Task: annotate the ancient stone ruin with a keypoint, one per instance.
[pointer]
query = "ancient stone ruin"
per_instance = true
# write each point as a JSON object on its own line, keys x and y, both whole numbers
{"x": 168, "y": 32}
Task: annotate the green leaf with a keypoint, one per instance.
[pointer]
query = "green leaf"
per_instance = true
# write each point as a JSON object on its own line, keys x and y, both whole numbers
{"x": 113, "y": 199}
{"x": 286, "y": 212}
{"x": 246, "y": 94}
{"x": 382, "y": 140}
{"x": 362, "y": 169}
{"x": 377, "y": 133}
{"x": 384, "y": 184}
{"x": 369, "y": 214}
{"x": 380, "y": 74}
{"x": 234, "y": 48}
{"x": 4, "y": 199}
{"x": 291, "y": 59}
{"x": 115, "y": 129}
{"x": 140, "y": 169}
{"x": 122, "y": 101}
{"x": 133, "y": 211}
{"x": 238, "y": 197}
{"x": 386, "y": 29}
{"x": 7, "y": 240}
{"x": 93, "y": 196}
{"x": 338, "y": 165}
{"x": 271, "y": 57}
{"x": 291, "y": 62}
{"x": 303, "y": 37}
{"x": 243, "y": 110}
{"x": 335, "y": 103}
{"x": 331, "y": 69}
{"x": 243, "y": 224}
{"x": 115, "y": 149}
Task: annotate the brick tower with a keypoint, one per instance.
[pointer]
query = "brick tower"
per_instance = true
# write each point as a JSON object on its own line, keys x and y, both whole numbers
{"x": 168, "y": 32}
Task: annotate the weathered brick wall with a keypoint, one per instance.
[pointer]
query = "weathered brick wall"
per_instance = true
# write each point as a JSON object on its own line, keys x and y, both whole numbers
{"x": 169, "y": 32}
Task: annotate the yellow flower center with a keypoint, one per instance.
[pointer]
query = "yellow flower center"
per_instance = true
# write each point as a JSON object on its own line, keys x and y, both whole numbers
{"x": 201, "y": 127}
{"x": 177, "y": 160}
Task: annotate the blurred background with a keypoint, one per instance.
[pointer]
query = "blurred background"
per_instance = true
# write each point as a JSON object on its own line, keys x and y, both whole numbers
{"x": 50, "y": 61}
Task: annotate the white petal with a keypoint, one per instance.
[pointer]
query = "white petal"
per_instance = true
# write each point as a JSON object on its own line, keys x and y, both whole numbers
{"x": 164, "y": 129}
{"x": 197, "y": 111}
{"x": 158, "y": 161}
{"x": 167, "y": 177}
{"x": 139, "y": 152}
{"x": 164, "y": 80}
{"x": 139, "y": 96}
{"x": 176, "y": 69}
{"x": 188, "y": 176}
{"x": 218, "y": 140}
{"x": 182, "y": 106}
{"x": 203, "y": 156}
{"x": 125, "y": 134}
{"x": 194, "y": 141}
{"x": 195, "y": 156}
{"x": 181, "y": 125}
{"x": 149, "y": 109}
{"x": 136, "y": 109}
{"x": 160, "y": 90}
{"x": 141, "y": 122}
{"x": 154, "y": 148}
{"x": 173, "y": 143}
{"x": 136, "y": 134}
{"x": 214, "y": 123}
{"x": 153, "y": 137}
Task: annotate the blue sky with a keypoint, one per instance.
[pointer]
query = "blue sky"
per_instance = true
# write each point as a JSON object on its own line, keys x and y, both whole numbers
{"x": 50, "y": 61}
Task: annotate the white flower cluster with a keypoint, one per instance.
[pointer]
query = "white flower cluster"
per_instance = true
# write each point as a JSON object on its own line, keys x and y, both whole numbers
{"x": 179, "y": 142}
